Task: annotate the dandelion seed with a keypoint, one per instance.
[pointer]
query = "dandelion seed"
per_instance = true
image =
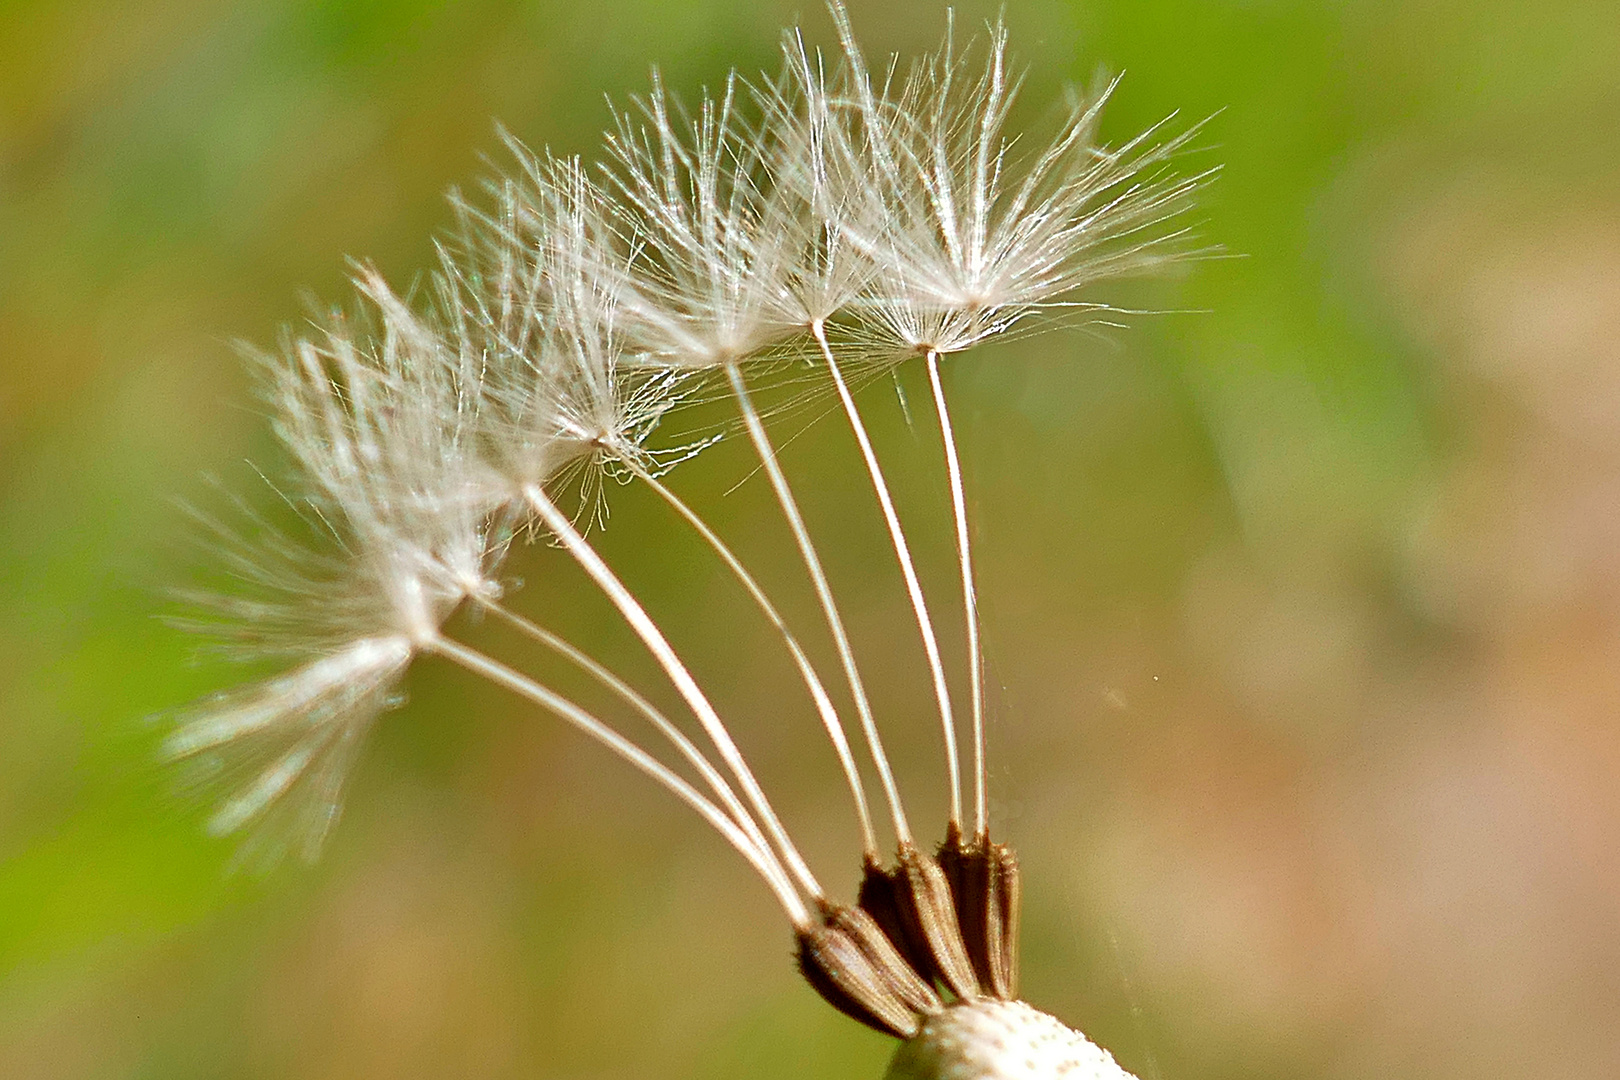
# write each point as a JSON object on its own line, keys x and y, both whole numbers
{"x": 971, "y": 235}
{"x": 383, "y": 444}
{"x": 711, "y": 281}
{"x": 570, "y": 397}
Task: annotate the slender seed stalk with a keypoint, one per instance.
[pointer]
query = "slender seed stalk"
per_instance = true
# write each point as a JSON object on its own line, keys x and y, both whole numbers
{"x": 760, "y": 859}
{"x": 908, "y": 569}
{"x": 628, "y": 694}
{"x": 970, "y": 598}
{"x": 835, "y": 623}
{"x": 651, "y": 636}
{"x": 812, "y": 681}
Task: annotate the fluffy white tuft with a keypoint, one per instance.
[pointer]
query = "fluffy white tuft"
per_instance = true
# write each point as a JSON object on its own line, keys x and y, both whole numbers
{"x": 970, "y": 233}
{"x": 377, "y": 416}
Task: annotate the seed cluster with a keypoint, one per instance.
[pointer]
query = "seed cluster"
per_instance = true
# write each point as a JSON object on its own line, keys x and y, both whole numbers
{"x": 829, "y": 218}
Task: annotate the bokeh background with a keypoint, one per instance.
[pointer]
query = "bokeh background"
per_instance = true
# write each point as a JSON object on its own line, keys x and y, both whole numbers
{"x": 1302, "y": 599}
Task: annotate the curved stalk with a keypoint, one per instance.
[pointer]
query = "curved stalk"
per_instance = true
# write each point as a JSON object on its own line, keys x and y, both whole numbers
{"x": 657, "y": 644}
{"x": 812, "y": 681}
{"x": 970, "y": 598}
{"x": 908, "y": 570}
{"x": 762, "y": 861}
{"x": 628, "y": 694}
{"x": 818, "y": 577}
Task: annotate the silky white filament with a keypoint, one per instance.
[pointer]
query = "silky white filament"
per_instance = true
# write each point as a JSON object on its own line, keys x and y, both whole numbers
{"x": 970, "y": 597}
{"x": 818, "y": 692}
{"x": 824, "y": 593}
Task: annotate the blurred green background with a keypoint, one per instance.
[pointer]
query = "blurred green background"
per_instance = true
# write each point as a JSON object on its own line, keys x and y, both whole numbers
{"x": 1302, "y": 602}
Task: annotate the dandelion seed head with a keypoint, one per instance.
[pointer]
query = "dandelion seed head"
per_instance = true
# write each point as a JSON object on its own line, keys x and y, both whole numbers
{"x": 568, "y": 318}
{"x": 697, "y": 197}
{"x": 396, "y": 534}
{"x": 817, "y": 209}
{"x": 975, "y": 233}
{"x": 282, "y": 748}
{"x": 576, "y": 399}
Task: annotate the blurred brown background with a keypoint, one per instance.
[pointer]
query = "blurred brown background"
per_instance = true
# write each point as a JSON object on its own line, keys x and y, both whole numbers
{"x": 1302, "y": 601}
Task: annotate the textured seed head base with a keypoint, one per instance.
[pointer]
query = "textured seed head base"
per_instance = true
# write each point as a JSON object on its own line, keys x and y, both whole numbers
{"x": 1000, "y": 1040}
